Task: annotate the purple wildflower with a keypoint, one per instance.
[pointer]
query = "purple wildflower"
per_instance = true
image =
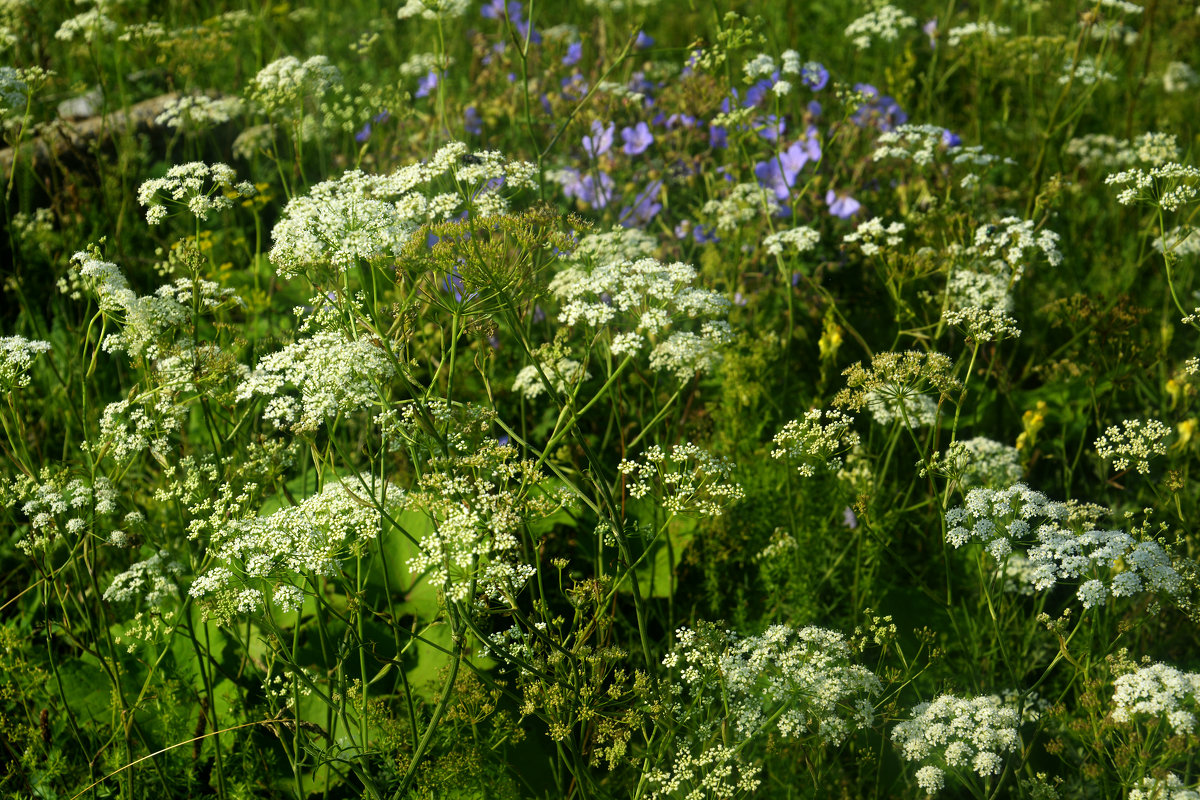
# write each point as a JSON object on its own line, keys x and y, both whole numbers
{"x": 642, "y": 41}
{"x": 426, "y": 85}
{"x": 718, "y": 137}
{"x": 756, "y": 93}
{"x": 592, "y": 191}
{"x": 362, "y": 136}
{"x": 930, "y": 30}
{"x": 574, "y": 87}
{"x": 881, "y": 111}
{"x": 497, "y": 9}
{"x": 841, "y": 205}
{"x": 453, "y": 284}
{"x": 771, "y": 127}
{"x": 951, "y": 139}
{"x": 636, "y": 139}
{"x": 644, "y": 207}
{"x": 472, "y": 122}
{"x": 814, "y": 75}
{"x": 574, "y": 54}
{"x": 779, "y": 174}
{"x": 600, "y": 141}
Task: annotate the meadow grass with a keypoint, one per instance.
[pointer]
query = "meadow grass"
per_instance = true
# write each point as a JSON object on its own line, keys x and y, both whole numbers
{"x": 624, "y": 398}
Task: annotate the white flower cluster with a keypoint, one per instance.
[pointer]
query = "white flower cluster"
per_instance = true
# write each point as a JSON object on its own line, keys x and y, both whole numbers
{"x": 800, "y": 240}
{"x": 332, "y": 375}
{"x": 144, "y": 320}
{"x": 433, "y": 9}
{"x": 609, "y": 246}
{"x": 128, "y": 427}
{"x": 761, "y": 66}
{"x": 87, "y": 26}
{"x": 1182, "y": 240}
{"x": 883, "y": 24}
{"x": 955, "y": 733}
{"x": 17, "y": 355}
{"x": 1010, "y": 240}
{"x": 198, "y": 112}
{"x": 290, "y": 545}
{"x": 987, "y": 30}
{"x": 1108, "y": 563}
{"x": 643, "y": 301}
{"x": 1102, "y": 150}
{"x": 974, "y": 289}
{"x": 563, "y": 373}
{"x": 283, "y": 84}
{"x": 1134, "y": 442}
{"x": 982, "y": 324}
{"x": 907, "y": 408}
{"x": 56, "y": 504}
{"x": 1120, "y": 6}
{"x": 200, "y": 187}
{"x": 872, "y": 236}
{"x": 789, "y": 681}
{"x": 14, "y": 92}
{"x": 744, "y": 203}
{"x": 1161, "y": 692}
{"x": 686, "y": 479}
{"x": 1179, "y": 77}
{"x": 421, "y": 64}
{"x": 816, "y": 441}
{"x": 983, "y": 462}
{"x": 361, "y": 217}
{"x": 1169, "y": 788}
{"x": 150, "y": 579}
{"x": 477, "y": 502}
{"x": 1086, "y": 72}
{"x": 917, "y": 143}
{"x": 620, "y": 5}
{"x": 709, "y": 773}
{"x": 1170, "y": 186}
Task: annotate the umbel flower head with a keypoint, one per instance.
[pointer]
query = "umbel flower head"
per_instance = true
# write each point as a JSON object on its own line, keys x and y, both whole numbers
{"x": 200, "y": 188}
{"x": 1058, "y": 543}
{"x": 816, "y": 441}
{"x": 17, "y": 355}
{"x": 957, "y": 734}
{"x": 1169, "y": 186}
{"x": 895, "y": 380}
{"x": 642, "y": 303}
{"x": 274, "y": 555}
{"x": 1161, "y": 693}
{"x": 789, "y": 682}
{"x": 1133, "y": 442}
{"x": 362, "y": 218}
{"x": 687, "y": 479}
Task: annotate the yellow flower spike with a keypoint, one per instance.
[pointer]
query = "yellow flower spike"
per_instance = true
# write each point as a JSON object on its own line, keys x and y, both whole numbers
{"x": 1174, "y": 389}
{"x": 1033, "y": 421}
{"x": 831, "y": 339}
{"x": 1186, "y": 430}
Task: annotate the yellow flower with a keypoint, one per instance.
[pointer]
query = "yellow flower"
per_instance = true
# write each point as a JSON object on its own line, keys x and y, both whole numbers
{"x": 1186, "y": 430}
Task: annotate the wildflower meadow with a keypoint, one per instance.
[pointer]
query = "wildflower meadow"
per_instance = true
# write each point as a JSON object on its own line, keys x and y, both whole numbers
{"x": 633, "y": 399}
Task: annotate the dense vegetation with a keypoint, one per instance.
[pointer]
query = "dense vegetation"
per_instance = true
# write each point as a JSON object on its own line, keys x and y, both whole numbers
{"x": 626, "y": 398}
